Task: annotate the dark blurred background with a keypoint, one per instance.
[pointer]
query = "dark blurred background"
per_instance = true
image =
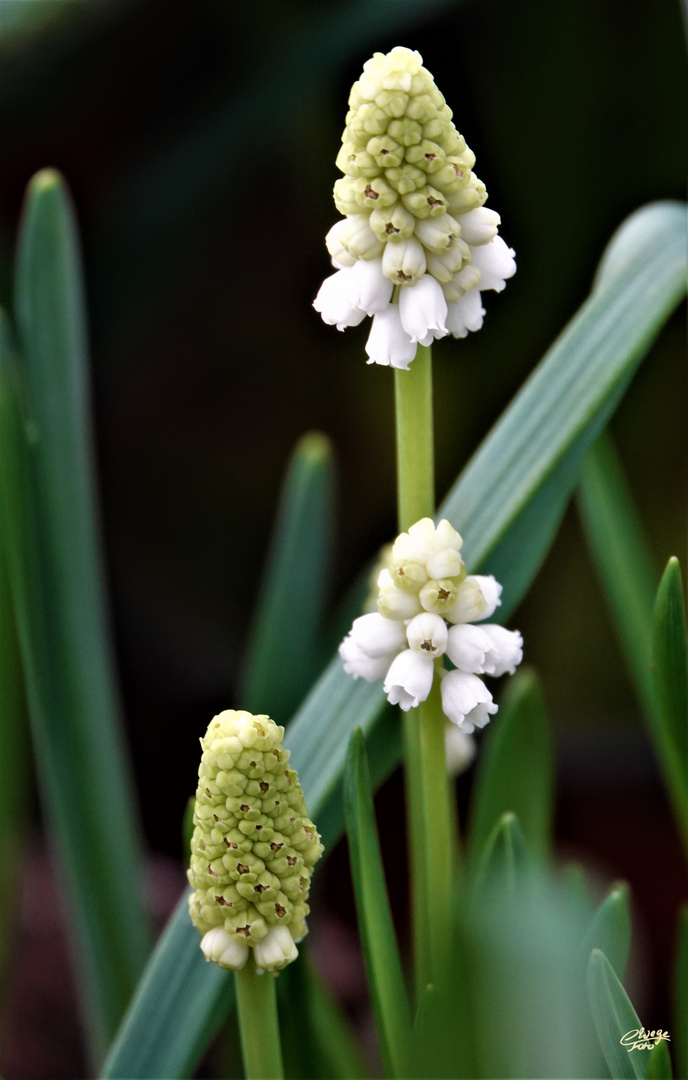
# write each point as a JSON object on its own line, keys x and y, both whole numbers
{"x": 199, "y": 144}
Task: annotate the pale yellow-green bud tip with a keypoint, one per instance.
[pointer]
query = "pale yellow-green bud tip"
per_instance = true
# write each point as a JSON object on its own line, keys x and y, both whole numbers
{"x": 253, "y": 847}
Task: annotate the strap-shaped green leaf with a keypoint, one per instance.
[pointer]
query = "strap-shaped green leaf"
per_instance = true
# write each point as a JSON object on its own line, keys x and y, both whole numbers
{"x": 610, "y": 929}
{"x": 380, "y": 950}
{"x": 670, "y": 718}
{"x": 659, "y": 1065}
{"x": 622, "y": 558}
{"x": 508, "y": 504}
{"x": 50, "y": 503}
{"x": 563, "y": 406}
{"x": 503, "y": 859}
{"x": 615, "y": 1019}
{"x": 516, "y": 771}
{"x": 284, "y": 655}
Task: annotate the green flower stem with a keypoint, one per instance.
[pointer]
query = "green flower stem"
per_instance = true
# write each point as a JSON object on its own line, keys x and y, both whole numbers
{"x": 429, "y": 808}
{"x": 439, "y": 831}
{"x": 415, "y": 443}
{"x": 260, "y": 1041}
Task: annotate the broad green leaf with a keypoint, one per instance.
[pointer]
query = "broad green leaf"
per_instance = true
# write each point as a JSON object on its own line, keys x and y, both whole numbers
{"x": 53, "y": 550}
{"x": 503, "y": 858}
{"x": 576, "y": 885}
{"x": 378, "y": 938}
{"x": 565, "y": 403}
{"x": 509, "y": 500}
{"x": 610, "y": 929}
{"x": 179, "y": 1005}
{"x": 659, "y": 1065}
{"x": 516, "y": 770}
{"x": 680, "y": 1013}
{"x": 284, "y": 654}
{"x": 622, "y": 558}
{"x": 615, "y": 1018}
{"x": 669, "y": 721}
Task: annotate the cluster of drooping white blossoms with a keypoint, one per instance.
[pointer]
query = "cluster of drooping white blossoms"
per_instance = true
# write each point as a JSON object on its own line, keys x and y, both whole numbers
{"x": 416, "y": 246}
{"x": 427, "y": 607}
{"x": 253, "y": 847}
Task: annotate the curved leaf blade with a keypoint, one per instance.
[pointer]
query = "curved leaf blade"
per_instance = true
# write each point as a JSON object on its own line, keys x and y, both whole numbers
{"x": 669, "y": 721}
{"x": 614, "y": 1018}
{"x": 610, "y": 929}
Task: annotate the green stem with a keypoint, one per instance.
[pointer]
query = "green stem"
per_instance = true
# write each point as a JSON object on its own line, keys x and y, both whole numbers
{"x": 431, "y": 834}
{"x": 415, "y": 443}
{"x": 260, "y": 1041}
{"x": 438, "y": 814}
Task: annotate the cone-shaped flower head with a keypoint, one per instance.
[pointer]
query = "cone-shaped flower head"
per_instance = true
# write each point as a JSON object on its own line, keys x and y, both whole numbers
{"x": 423, "y": 588}
{"x": 414, "y": 214}
{"x": 253, "y": 846}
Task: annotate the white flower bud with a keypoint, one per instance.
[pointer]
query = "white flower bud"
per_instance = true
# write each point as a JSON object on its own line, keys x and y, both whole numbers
{"x": 446, "y": 564}
{"x": 409, "y": 679}
{"x": 466, "y": 701}
{"x": 224, "y": 950}
{"x": 496, "y": 264}
{"x": 479, "y": 226}
{"x": 506, "y": 650}
{"x": 466, "y": 314}
{"x": 275, "y": 950}
{"x": 404, "y": 262}
{"x": 478, "y": 598}
{"x": 394, "y": 603}
{"x": 438, "y": 234}
{"x": 467, "y": 647}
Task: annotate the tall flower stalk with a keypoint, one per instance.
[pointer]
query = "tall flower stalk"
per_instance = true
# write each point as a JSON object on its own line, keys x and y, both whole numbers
{"x": 415, "y": 249}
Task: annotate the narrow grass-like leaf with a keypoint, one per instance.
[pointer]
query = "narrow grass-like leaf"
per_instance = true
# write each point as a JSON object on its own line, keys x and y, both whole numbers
{"x": 284, "y": 655}
{"x": 563, "y": 406}
{"x": 378, "y": 938}
{"x": 516, "y": 771}
{"x": 503, "y": 858}
{"x": 659, "y": 1065}
{"x": 622, "y": 558}
{"x": 306, "y": 1005}
{"x": 670, "y": 719}
{"x": 680, "y": 1026}
{"x": 610, "y": 929}
{"x": 614, "y": 1018}
{"x": 59, "y": 600}
{"x": 508, "y": 501}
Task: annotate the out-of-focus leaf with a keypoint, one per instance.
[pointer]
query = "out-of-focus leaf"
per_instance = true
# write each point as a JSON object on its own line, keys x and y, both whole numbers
{"x": 669, "y": 721}
{"x": 54, "y": 561}
{"x": 532, "y": 458}
{"x": 610, "y": 929}
{"x": 284, "y": 652}
{"x": 622, "y": 557}
{"x": 614, "y": 1018}
{"x": 659, "y": 1066}
{"x": 503, "y": 857}
{"x": 516, "y": 771}
{"x": 378, "y": 938}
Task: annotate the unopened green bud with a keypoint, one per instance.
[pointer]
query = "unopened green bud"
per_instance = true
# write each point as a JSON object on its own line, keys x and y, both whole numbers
{"x": 439, "y": 596}
{"x": 409, "y": 576}
{"x": 253, "y": 846}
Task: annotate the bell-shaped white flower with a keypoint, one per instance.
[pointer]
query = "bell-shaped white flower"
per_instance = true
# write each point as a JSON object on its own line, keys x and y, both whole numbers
{"x": 336, "y": 300}
{"x": 423, "y": 310}
{"x": 226, "y": 951}
{"x": 372, "y": 643}
{"x": 459, "y": 748}
{"x": 409, "y": 679}
{"x": 496, "y": 264}
{"x": 479, "y": 226}
{"x": 505, "y": 652}
{"x": 275, "y": 950}
{"x": 404, "y": 261}
{"x": 388, "y": 343}
{"x": 465, "y": 314}
{"x": 467, "y": 647}
{"x": 427, "y": 634}
{"x": 478, "y": 598}
{"x": 371, "y": 291}
{"x": 466, "y": 701}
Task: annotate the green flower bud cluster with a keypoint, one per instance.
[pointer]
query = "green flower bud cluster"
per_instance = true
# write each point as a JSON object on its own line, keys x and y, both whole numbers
{"x": 424, "y": 572}
{"x": 408, "y": 178}
{"x": 253, "y": 846}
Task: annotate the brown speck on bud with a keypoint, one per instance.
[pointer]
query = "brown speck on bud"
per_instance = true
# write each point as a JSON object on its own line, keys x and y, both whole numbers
{"x": 280, "y": 911}
{"x": 428, "y": 646}
{"x": 370, "y": 192}
{"x": 222, "y": 902}
{"x": 243, "y": 869}
{"x": 211, "y": 871}
{"x": 209, "y": 793}
{"x": 260, "y": 888}
{"x": 216, "y": 817}
{"x": 245, "y": 930}
{"x": 276, "y": 847}
{"x": 264, "y": 786}
{"x": 291, "y": 860}
{"x": 245, "y": 808}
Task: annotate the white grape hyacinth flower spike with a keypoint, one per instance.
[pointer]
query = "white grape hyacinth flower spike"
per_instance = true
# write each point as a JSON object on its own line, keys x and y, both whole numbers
{"x": 428, "y": 608}
{"x": 416, "y": 246}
